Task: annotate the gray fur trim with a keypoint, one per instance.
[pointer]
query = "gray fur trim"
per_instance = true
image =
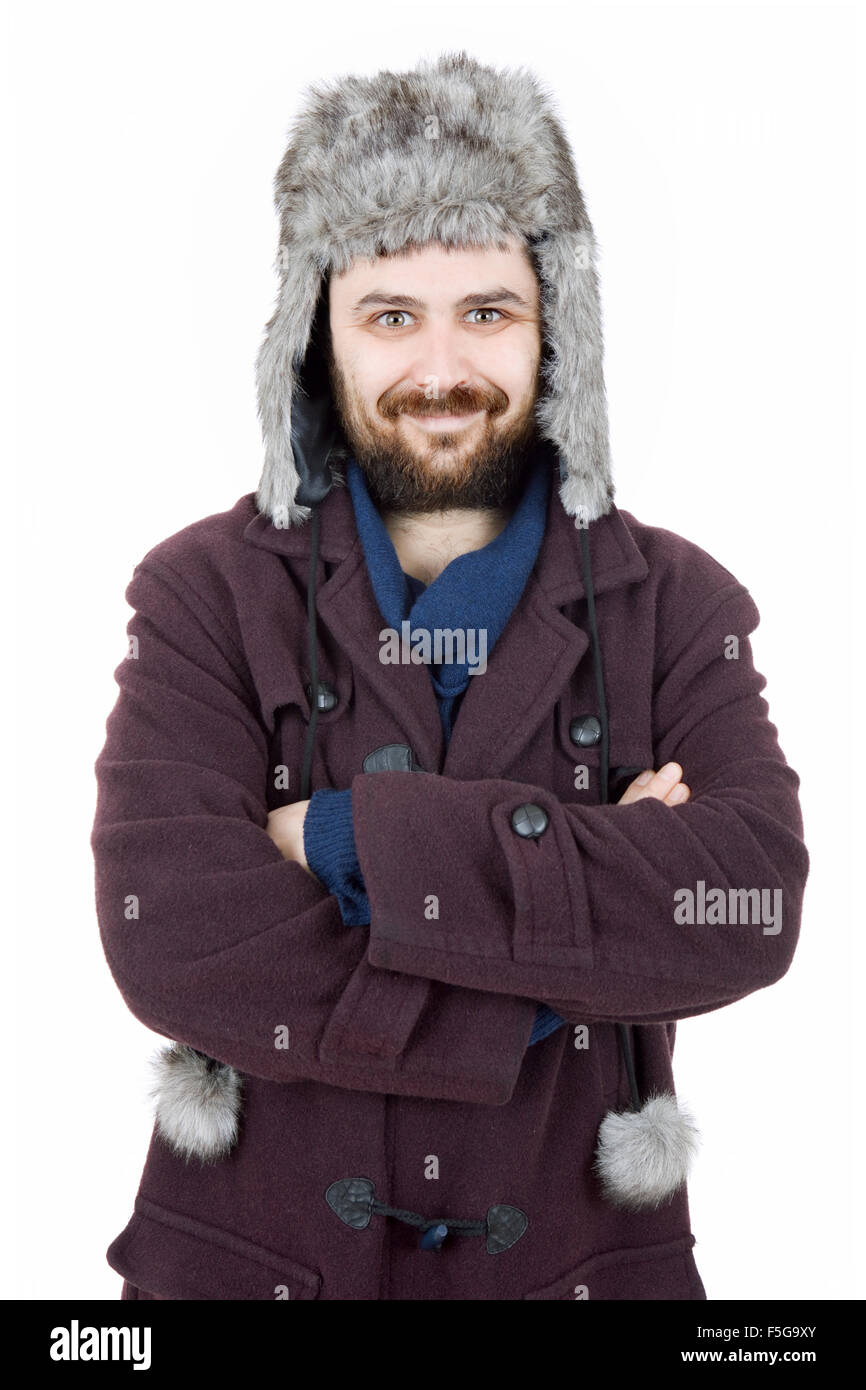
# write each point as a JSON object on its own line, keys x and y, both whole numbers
{"x": 644, "y": 1156}
{"x": 198, "y": 1102}
{"x": 456, "y": 152}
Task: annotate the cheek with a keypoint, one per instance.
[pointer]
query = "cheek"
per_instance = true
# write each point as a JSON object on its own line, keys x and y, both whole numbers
{"x": 366, "y": 388}
{"x": 510, "y": 359}
{"x": 514, "y": 372}
{"x": 372, "y": 378}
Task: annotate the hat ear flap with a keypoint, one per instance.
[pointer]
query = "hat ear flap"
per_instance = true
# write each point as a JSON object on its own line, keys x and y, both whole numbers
{"x": 573, "y": 411}
{"x": 279, "y": 365}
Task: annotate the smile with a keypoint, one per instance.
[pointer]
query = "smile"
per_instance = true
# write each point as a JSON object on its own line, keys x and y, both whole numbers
{"x": 444, "y": 422}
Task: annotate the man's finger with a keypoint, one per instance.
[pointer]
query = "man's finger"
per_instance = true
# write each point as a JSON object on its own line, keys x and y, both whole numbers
{"x": 661, "y": 785}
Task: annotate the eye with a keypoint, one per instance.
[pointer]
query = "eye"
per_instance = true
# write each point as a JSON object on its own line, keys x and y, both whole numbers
{"x": 487, "y": 311}
{"x": 393, "y": 313}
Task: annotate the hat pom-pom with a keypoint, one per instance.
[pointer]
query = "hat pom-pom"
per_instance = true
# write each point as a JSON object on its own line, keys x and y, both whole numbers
{"x": 644, "y": 1156}
{"x": 198, "y": 1102}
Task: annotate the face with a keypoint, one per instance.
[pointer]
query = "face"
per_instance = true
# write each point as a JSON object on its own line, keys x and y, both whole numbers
{"x": 434, "y": 365}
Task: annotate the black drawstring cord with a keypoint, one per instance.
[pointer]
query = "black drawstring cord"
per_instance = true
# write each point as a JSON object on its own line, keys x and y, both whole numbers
{"x": 423, "y": 1223}
{"x": 314, "y": 660}
{"x": 596, "y": 661}
{"x": 625, "y": 1045}
{"x": 621, "y": 1028}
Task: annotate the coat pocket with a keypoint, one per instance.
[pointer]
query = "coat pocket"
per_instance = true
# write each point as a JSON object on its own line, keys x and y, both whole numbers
{"x": 666, "y": 1271}
{"x": 178, "y": 1257}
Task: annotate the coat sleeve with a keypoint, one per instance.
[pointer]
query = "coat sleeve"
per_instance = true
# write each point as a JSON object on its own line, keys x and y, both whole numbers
{"x": 588, "y": 916}
{"x": 329, "y": 846}
{"x": 213, "y": 938}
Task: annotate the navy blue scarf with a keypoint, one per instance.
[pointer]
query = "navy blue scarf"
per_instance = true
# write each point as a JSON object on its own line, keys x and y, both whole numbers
{"x": 476, "y": 591}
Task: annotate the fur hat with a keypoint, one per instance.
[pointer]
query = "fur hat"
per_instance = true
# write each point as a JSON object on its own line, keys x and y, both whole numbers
{"x": 453, "y": 152}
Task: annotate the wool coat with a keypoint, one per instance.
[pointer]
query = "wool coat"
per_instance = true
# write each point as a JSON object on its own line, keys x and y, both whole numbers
{"x": 332, "y": 1098}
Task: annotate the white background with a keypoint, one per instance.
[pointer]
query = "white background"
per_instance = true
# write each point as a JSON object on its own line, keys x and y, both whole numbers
{"x": 716, "y": 146}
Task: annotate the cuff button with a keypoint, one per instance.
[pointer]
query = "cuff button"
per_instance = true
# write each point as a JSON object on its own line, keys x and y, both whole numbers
{"x": 529, "y": 820}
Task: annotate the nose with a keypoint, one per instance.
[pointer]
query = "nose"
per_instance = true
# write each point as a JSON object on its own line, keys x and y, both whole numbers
{"x": 441, "y": 361}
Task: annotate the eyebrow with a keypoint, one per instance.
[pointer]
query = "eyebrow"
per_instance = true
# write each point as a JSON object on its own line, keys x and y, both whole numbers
{"x": 501, "y": 295}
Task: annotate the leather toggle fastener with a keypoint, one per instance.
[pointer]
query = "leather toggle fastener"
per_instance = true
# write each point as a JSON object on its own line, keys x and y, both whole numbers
{"x": 391, "y": 757}
{"x": 353, "y": 1200}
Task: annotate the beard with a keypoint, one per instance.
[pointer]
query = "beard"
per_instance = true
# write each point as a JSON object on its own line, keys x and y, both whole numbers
{"x": 403, "y": 478}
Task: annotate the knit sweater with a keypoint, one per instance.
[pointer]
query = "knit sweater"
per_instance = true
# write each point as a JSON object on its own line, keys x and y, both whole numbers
{"x": 478, "y": 590}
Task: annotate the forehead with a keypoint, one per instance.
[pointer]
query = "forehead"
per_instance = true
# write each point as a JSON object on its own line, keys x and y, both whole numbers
{"x": 438, "y": 273}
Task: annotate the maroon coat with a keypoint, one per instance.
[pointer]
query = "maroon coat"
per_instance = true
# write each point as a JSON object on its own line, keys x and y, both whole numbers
{"x": 406, "y": 1061}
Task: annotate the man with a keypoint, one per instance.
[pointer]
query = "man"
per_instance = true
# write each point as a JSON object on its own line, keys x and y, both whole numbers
{"x": 437, "y": 788}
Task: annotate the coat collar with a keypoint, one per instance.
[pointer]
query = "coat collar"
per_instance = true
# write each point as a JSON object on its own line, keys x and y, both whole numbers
{"x": 535, "y": 656}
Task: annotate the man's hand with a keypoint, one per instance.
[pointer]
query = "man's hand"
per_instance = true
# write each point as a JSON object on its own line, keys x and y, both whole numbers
{"x": 666, "y": 785}
{"x": 286, "y": 828}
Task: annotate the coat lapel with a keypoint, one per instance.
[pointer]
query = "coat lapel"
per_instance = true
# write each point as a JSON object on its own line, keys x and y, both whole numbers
{"x": 346, "y": 605}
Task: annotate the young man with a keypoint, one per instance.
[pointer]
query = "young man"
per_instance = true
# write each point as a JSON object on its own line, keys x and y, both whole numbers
{"x": 437, "y": 788}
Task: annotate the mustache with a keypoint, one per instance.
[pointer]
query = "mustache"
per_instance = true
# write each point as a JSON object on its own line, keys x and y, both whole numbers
{"x": 461, "y": 400}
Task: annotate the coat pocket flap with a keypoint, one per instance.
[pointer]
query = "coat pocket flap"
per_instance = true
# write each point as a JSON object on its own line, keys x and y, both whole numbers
{"x": 666, "y": 1271}
{"x": 178, "y": 1257}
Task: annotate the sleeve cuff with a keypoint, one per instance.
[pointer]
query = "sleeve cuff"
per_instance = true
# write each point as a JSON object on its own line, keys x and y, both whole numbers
{"x": 329, "y": 845}
{"x": 546, "y": 1022}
